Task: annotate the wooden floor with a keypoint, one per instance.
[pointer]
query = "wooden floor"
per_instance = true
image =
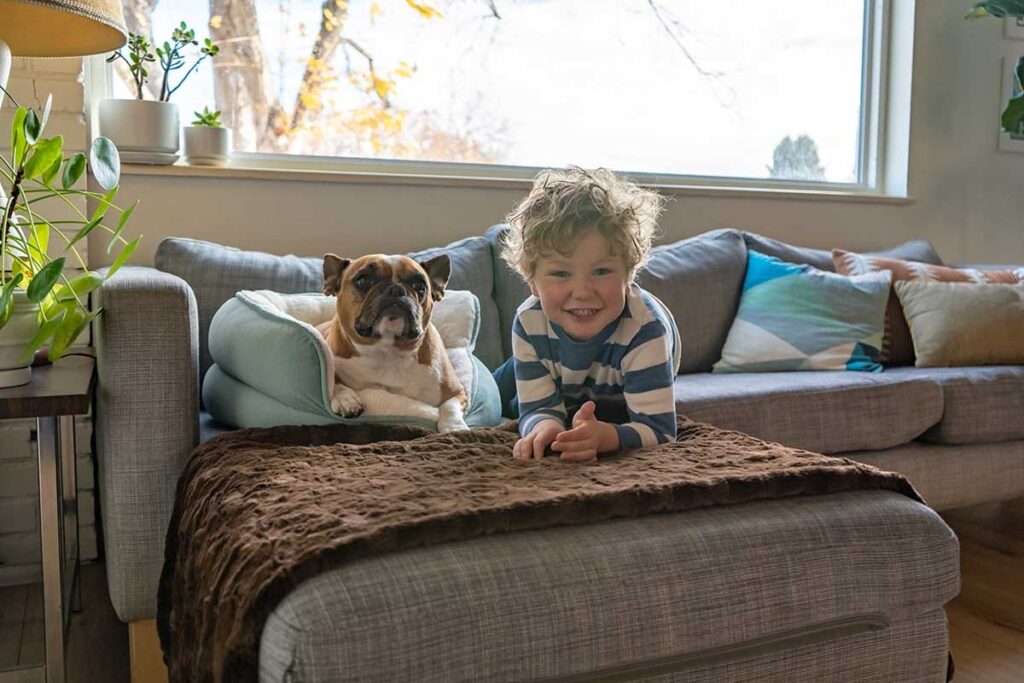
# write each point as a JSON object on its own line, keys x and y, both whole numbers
{"x": 986, "y": 621}
{"x": 97, "y": 640}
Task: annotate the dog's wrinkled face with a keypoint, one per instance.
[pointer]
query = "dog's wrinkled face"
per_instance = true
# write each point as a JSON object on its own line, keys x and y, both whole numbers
{"x": 385, "y": 297}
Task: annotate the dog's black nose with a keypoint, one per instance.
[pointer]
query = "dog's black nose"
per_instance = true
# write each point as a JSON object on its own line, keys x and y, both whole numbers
{"x": 396, "y": 290}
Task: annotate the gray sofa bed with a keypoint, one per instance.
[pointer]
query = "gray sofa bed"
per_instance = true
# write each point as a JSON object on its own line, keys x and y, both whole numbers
{"x": 847, "y": 587}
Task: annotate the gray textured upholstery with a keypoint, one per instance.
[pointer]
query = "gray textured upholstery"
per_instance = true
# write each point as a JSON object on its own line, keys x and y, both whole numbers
{"x": 981, "y": 404}
{"x": 955, "y": 476}
{"x": 147, "y": 406}
{"x": 699, "y": 280}
{"x": 509, "y": 288}
{"x": 215, "y": 272}
{"x": 551, "y": 603}
{"x": 827, "y": 411}
{"x": 914, "y": 250}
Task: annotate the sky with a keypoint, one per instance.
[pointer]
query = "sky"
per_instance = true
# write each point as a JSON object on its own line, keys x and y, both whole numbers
{"x": 601, "y": 82}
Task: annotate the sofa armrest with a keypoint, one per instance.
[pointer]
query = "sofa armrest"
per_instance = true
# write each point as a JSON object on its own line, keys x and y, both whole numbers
{"x": 147, "y": 423}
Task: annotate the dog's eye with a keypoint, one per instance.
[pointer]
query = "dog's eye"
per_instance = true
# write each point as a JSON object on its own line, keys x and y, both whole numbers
{"x": 362, "y": 282}
{"x": 420, "y": 287}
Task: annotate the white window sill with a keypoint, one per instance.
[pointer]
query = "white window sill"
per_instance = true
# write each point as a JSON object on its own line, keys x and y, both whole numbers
{"x": 719, "y": 188}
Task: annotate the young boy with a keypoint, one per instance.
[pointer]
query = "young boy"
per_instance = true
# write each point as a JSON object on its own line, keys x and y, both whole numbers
{"x": 588, "y": 333}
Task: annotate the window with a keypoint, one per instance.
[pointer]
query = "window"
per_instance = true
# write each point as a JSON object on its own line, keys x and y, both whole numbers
{"x": 765, "y": 90}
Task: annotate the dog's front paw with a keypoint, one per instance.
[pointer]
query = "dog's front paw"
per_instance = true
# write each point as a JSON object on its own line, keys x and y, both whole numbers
{"x": 453, "y": 424}
{"x": 450, "y": 416}
{"x": 346, "y": 402}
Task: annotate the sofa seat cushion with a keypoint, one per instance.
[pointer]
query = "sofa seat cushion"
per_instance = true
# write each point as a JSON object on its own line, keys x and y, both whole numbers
{"x": 980, "y": 404}
{"x": 825, "y": 412}
{"x": 551, "y": 603}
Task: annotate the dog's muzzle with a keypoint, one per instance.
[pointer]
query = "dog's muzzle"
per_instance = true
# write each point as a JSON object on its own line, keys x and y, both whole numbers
{"x": 398, "y": 316}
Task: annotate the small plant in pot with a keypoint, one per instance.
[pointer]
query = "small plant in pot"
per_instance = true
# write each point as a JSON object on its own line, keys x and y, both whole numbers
{"x": 207, "y": 142}
{"x": 44, "y": 281}
{"x": 147, "y": 131}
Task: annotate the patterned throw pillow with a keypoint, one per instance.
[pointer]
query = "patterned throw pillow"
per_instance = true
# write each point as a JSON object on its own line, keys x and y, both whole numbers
{"x": 897, "y": 345}
{"x": 794, "y": 317}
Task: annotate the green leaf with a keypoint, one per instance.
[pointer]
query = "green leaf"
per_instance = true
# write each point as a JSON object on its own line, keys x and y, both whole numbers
{"x": 1013, "y": 114}
{"x": 18, "y": 143}
{"x": 81, "y": 285}
{"x": 51, "y": 173}
{"x": 75, "y": 320}
{"x": 39, "y": 240}
{"x": 46, "y": 113}
{"x": 996, "y": 8}
{"x": 73, "y": 170}
{"x": 44, "y": 280}
{"x": 32, "y": 127}
{"x": 125, "y": 215}
{"x": 45, "y": 331}
{"x": 7, "y": 298}
{"x": 123, "y": 256}
{"x": 84, "y": 232}
{"x": 46, "y": 152}
{"x": 106, "y": 163}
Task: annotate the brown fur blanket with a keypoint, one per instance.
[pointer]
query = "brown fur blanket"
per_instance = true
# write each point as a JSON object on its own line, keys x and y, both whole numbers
{"x": 261, "y": 510}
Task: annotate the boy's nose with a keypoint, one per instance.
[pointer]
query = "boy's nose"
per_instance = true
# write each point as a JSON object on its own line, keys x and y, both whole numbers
{"x": 582, "y": 287}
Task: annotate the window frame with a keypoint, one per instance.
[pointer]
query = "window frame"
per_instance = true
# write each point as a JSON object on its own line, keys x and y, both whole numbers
{"x": 872, "y": 181}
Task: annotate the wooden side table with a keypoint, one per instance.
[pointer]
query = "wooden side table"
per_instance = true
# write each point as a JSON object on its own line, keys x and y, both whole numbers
{"x": 55, "y": 395}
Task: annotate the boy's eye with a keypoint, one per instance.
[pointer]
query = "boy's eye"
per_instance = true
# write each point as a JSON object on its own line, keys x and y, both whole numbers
{"x": 603, "y": 271}
{"x": 559, "y": 273}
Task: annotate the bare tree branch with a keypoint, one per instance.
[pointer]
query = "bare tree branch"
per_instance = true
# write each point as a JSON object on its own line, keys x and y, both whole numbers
{"x": 494, "y": 9}
{"x": 679, "y": 43}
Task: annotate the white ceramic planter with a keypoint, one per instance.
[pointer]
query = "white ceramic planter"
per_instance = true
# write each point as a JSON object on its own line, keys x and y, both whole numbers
{"x": 14, "y": 337}
{"x": 207, "y": 145}
{"x": 140, "y": 125}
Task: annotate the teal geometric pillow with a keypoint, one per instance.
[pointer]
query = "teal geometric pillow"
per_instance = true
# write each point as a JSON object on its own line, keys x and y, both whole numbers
{"x": 796, "y": 317}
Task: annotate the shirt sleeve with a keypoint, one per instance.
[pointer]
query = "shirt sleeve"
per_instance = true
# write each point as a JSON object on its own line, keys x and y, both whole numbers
{"x": 648, "y": 376}
{"x": 536, "y": 390}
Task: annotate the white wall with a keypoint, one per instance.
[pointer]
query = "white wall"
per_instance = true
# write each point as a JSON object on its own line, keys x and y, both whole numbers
{"x": 967, "y": 196}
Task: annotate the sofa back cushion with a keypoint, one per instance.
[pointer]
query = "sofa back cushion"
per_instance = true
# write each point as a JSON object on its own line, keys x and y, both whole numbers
{"x": 698, "y": 279}
{"x": 914, "y": 250}
{"x": 215, "y": 272}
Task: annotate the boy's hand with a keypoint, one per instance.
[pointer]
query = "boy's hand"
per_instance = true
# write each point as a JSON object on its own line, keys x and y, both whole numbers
{"x": 588, "y": 437}
{"x": 533, "y": 444}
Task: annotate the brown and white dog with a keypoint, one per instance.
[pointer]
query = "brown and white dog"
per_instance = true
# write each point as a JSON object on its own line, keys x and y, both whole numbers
{"x": 382, "y": 338}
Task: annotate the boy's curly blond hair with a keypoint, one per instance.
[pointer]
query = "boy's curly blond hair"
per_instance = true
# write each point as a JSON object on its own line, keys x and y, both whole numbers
{"x": 562, "y": 204}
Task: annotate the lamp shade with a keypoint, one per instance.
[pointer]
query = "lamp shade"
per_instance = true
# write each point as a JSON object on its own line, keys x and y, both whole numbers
{"x": 61, "y": 28}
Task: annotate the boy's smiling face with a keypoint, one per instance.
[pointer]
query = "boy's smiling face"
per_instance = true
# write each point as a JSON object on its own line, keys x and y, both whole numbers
{"x": 585, "y": 291}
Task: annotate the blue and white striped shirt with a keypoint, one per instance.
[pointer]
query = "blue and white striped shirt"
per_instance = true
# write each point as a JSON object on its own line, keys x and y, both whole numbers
{"x": 634, "y": 358}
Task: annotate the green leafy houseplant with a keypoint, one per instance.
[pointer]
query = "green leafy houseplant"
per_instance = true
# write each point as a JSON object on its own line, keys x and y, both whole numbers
{"x": 37, "y": 174}
{"x": 1013, "y": 115}
{"x": 171, "y": 55}
{"x": 207, "y": 118}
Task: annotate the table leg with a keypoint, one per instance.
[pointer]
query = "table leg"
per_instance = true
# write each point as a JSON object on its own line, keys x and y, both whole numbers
{"x": 50, "y": 507}
{"x": 69, "y": 526}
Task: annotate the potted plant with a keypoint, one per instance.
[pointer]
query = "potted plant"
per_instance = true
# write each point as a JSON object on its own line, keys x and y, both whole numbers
{"x": 146, "y": 131}
{"x": 44, "y": 282}
{"x": 207, "y": 142}
{"x": 1012, "y": 117}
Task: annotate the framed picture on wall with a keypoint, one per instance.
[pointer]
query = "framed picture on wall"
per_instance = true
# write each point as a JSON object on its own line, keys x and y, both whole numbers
{"x": 1008, "y": 142}
{"x": 1013, "y": 28}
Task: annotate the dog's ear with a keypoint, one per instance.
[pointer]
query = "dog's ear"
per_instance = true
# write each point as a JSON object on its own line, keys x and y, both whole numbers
{"x": 334, "y": 266}
{"x": 439, "y": 269}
